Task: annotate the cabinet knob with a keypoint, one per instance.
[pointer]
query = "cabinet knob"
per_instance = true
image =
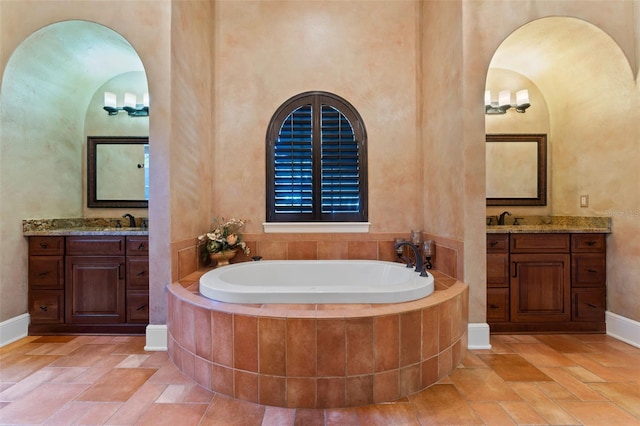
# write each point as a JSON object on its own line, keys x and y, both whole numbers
{"x": 43, "y": 274}
{"x": 141, "y": 273}
{"x": 591, "y": 305}
{"x": 593, "y": 271}
{"x": 141, "y": 307}
{"x": 44, "y": 245}
{"x": 494, "y": 306}
{"x": 141, "y": 246}
{"x": 591, "y": 243}
{"x": 493, "y": 243}
{"x": 44, "y": 308}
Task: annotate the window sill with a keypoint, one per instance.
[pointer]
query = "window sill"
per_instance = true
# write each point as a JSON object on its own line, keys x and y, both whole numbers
{"x": 315, "y": 227}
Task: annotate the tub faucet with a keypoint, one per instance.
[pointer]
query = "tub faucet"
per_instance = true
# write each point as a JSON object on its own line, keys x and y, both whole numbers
{"x": 501, "y": 218}
{"x": 132, "y": 220}
{"x": 418, "y": 256}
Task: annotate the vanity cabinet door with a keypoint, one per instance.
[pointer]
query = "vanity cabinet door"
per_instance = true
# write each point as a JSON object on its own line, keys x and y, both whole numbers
{"x": 95, "y": 289}
{"x": 540, "y": 287}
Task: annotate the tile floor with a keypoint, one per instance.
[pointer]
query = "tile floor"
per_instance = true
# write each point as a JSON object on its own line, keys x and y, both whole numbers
{"x": 588, "y": 379}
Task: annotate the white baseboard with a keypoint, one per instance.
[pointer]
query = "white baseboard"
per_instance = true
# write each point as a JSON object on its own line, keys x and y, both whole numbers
{"x": 14, "y": 329}
{"x": 478, "y": 336}
{"x": 623, "y": 328}
{"x": 156, "y": 338}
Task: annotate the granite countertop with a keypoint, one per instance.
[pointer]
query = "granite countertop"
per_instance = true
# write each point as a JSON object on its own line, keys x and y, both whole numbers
{"x": 553, "y": 224}
{"x": 82, "y": 226}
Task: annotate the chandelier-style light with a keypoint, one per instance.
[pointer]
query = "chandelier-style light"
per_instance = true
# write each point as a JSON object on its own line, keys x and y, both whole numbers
{"x": 131, "y": 106}
{"x": 504, "y": 102}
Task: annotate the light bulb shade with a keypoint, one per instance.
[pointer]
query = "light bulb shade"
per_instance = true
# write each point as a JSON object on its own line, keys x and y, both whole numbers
{"x": 129, "y": 100}
{"x": 522, "y": 97}
{"x": 504, "y": 99}
{"x": 110, "y": 99}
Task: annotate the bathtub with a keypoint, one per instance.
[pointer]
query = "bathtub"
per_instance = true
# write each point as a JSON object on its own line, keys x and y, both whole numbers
{"x": 315, "y": 281}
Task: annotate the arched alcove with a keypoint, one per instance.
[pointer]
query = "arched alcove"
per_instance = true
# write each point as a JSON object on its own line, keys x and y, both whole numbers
{"x": 589, "y": 89}
{"x": 46, "y": 101}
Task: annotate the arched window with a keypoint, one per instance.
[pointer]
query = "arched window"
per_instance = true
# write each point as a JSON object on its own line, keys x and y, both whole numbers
{"x": 316, "y": 161}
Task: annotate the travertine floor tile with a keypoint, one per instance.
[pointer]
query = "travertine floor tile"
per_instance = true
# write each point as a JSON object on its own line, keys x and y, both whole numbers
{"x": 523, "y": 379}
{"x": 492, "y": 413}
{"x": 512, "y": 367}
{"x": 599, "y": 413}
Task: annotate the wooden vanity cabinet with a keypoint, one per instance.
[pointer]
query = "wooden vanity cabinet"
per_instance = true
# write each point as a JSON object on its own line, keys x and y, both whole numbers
{"x": 497, "y": 278}
{"x": 540, "y": 284}
{"x": 88, "y": 284}
{"x": 588, "y": 276}
{"x": 137, "y": 300}
{"x": 95, "y": 280}
{"x": 554, "y": 283}
{"x": 46, "y": 280}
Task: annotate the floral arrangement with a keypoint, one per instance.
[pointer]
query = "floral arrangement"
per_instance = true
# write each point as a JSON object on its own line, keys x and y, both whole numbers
{"x": 224, "y": 235}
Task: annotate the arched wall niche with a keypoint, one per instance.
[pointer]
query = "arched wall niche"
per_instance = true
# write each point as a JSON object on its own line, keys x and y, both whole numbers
{"x": 46, "y": 100}
{"x": 589, "y": 88}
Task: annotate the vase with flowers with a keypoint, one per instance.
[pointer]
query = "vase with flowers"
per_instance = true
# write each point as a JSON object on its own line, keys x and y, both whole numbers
{"x": 222, "y": 242}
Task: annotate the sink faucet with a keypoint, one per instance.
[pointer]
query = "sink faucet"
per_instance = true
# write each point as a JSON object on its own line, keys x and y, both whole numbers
{"x": 501, "y": 218}
{"x": 132, "y": 220}
{"x": 416, "y": 252}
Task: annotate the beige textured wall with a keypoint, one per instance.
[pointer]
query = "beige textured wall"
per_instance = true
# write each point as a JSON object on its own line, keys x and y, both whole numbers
{"x": 266, "y": 52}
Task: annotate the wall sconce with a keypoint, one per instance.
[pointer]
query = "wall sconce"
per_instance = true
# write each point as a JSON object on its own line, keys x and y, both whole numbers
{"x": 504, "y": 102}
{"x": 131, "y": 106}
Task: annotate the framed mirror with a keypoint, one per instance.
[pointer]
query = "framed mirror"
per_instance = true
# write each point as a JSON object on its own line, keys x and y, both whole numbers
{"x": 516, "y": 169}
{"x": 118, "y": 171}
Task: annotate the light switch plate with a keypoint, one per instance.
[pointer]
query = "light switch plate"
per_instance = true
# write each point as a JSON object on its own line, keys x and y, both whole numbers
{"x": 584, "y": 201}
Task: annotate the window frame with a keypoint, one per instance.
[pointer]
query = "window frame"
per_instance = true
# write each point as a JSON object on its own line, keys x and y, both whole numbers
{"x": 316, "y": 99}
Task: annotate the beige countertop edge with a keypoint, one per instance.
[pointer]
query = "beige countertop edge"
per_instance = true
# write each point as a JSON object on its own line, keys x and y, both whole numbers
{"x": 545, "y": 229}
{"x": 84, "y": 231}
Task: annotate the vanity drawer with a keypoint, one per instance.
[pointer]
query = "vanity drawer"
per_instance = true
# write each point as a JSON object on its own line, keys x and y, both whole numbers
{"x": 497, "y": 305}
{"x": 497, "y": 270}
{"x": 46, "y": 307}
{"x": 138, "y": 246}
{"x": 497, "y": 243}
{"x": 46, "y": 246}
{"x": 588, "y": 304}
{"x": 539, "y": 243}
{"x": 588, "y": 243}
{"x": 92, "y": 245}
{"x": 588, "y": 270}
{"x": 138, "y": 307}
{"x": 138, "y": 273}
{"x": 46, "y": 272}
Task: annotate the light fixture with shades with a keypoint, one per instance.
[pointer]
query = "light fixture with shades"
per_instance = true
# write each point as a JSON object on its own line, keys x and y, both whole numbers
{"x": 131, "y": 106}
{"x": 504, "y": 102}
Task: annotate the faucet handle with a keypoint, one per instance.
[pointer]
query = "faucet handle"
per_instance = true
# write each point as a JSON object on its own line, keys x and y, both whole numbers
{"x": 515, "y": 221}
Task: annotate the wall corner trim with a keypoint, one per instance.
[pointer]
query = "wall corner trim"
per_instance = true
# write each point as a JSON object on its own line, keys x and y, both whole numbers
{"x": 623, "y": 328}
{"x": 156, "y": 337}
{"x": 478, "y": 336}
{"x": 14, "y": 329}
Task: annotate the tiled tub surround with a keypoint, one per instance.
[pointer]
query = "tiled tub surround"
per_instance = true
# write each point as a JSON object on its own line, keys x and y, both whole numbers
{"x": 318, "y": 356}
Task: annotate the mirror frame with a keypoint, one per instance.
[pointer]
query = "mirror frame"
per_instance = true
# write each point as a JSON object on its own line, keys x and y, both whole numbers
{"x": 541, "y": 140}
{"x": 92, "y": 143}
